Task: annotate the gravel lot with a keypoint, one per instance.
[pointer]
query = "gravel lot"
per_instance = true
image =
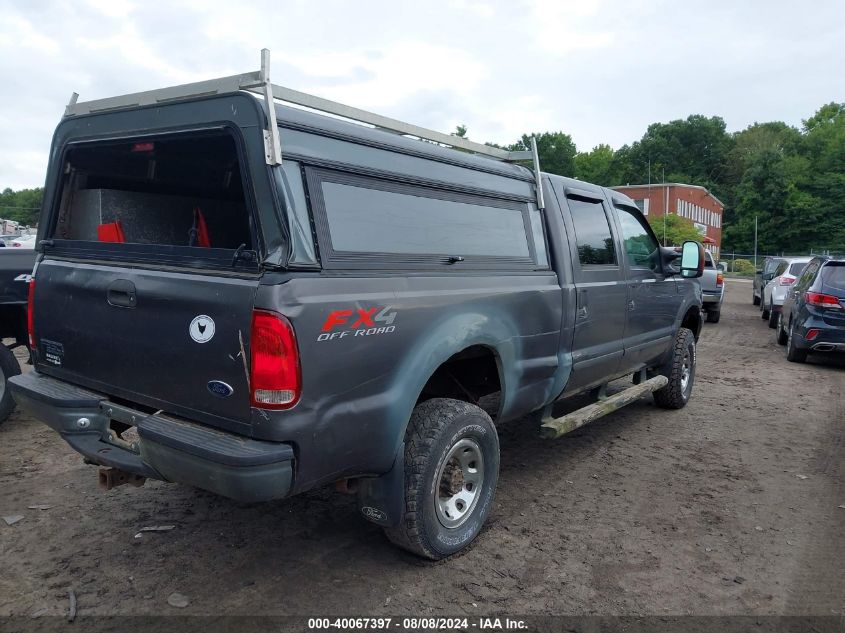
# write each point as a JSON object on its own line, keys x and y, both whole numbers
{"x": 732, "y": 505}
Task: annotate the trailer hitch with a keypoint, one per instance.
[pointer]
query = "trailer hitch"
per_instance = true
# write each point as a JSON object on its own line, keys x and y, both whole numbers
{"x": 112, "y": 477}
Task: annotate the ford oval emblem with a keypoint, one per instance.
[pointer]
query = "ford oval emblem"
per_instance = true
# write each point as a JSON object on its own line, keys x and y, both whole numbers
{"x": 219, "y": 388}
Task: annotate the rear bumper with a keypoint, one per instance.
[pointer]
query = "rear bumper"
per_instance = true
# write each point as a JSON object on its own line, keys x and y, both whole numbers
{"x": 829, "y": 338}
{"x": 168, "y": 448}
{"x": 710, "y": 298}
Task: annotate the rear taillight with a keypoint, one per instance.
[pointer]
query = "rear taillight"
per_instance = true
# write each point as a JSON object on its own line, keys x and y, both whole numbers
{"x": 30, "y": 305}
{"x": 821, "y": 300}
{"x": 785, "y": 280}
{"x": 275, "y": 377}
{"x": 720, "y": 279}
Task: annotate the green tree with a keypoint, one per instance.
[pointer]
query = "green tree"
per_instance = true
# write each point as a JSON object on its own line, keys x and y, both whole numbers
{"x": 598, "y": 166}
{"x": 556, "y": 151}
{"x": 677, "y": 229}
{"x": 21, "y": 206}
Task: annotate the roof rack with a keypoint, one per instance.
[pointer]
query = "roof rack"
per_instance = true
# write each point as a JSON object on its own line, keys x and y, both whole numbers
{"x": 258, "y": 82}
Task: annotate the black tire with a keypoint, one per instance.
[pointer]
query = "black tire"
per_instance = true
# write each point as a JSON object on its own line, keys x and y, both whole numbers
{"x": 437, "y": 428}
{"x": 764, "y": 311}
{"x": 773, "y": 317}
{"x": 9, "y": 367}
{"x": 755, "y": 299}
{"x": 793, "y": 354}
{"x": 713, "y": 316}
{"x": 780, "y": 333}
{"x": 676, "y": 394}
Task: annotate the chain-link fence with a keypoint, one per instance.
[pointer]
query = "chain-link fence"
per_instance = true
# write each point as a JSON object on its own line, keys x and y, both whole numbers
{"x": 747, "y": 263}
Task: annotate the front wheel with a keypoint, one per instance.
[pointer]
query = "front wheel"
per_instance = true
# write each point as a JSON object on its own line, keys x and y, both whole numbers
{"x": 451, "y": 471}
{"x": 773, "y": 317}
{"x": 680, "y": 370}
{"x": 755, "y": 299}
{"x": 9, "y": 367}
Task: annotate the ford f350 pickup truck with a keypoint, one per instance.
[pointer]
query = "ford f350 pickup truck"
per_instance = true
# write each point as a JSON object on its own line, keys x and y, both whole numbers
{"x": 256, "y": 299}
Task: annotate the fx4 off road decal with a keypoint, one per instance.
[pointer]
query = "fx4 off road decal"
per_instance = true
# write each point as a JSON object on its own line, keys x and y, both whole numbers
{"x": 358, "y": 322}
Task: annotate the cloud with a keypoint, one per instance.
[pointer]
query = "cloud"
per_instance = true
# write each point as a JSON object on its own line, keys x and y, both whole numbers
{"x": 601, "y": 70}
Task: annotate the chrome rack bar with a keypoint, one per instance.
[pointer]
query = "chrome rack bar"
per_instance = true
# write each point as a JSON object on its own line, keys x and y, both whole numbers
{"x": 258, "y": 82}
{"x": 272, "y": 144}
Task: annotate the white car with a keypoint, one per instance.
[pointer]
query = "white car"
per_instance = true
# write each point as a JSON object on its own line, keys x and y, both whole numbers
{"x": 24, "y": 241}
{"x": 775, "y": 291}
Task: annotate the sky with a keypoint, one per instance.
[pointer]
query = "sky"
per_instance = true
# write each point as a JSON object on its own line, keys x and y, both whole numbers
{"x": 599, "y": 70}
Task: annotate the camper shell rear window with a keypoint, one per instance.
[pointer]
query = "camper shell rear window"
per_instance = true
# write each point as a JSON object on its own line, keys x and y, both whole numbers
{"x": 175, "y": 199}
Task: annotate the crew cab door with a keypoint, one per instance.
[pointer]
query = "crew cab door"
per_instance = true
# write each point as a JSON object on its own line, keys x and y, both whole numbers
{"x": 653, "y": 299}
{"x": 601, "y": 293}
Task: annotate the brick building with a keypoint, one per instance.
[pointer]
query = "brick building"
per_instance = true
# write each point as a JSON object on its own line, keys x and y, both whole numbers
{"x": 688, "y": 201}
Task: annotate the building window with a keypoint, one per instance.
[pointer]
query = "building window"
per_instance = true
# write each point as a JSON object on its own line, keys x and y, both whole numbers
{"x": 642, "y": 205}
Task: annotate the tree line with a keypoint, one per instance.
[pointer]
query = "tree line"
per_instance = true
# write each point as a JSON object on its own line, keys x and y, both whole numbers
{"x": 791, "y": 179}
{"x": 21, "y": 206}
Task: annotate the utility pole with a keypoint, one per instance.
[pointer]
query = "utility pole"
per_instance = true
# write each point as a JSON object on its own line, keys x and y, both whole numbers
{"x": 665, "y": 205}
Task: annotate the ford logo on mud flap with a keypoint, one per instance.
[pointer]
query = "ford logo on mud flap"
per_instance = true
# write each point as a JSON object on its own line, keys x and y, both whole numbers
{"x": 219, "y": 388}
{"x": 374, "y": 514}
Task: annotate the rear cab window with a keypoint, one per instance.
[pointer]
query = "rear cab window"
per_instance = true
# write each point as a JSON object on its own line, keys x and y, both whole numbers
{"x": 177, "y": 199}
{"x": 592, "y": 233}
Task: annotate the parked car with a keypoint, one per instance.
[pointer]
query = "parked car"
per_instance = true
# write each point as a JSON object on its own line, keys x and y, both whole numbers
{"x": 775, "y": 291}
{"x": 212, "y": 311}
{"x": 813, "y": 315}
{"x": 762, "y": 277}
{"x": 24, "y": 241}
{"x": 712, "y": 288}
{"x": 6, "y": 240}
{"x": 15, "y": 269}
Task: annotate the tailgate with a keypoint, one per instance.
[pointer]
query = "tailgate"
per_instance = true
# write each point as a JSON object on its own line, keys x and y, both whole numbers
{"x": 174, "y": 341}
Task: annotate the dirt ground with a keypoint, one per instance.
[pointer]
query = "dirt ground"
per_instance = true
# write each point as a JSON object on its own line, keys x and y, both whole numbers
{"x": 732, "y": 505}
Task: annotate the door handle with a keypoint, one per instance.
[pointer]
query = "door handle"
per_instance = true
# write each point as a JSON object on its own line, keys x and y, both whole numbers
{"x": 121, "y": 294}
{"x": 631, "y": 306}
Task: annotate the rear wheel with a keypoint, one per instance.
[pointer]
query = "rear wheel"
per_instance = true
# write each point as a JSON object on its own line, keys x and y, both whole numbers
{"x": 755, "y": 299}
{"x": 793, "y": 354}
{"x": 713, "y": 316}
{"x": 680, "y": 370}
{"x": 9, "y": 367}
{"x": 764, "y": 310}
{"x": 451, "y": 470}
{"x": 773, "y": 317}
{"x": 780, "y": 333}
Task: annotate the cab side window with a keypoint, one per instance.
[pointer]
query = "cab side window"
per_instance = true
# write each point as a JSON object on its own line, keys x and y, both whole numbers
{"x": 640, "y": 245}
{"x": 592, "y": 233}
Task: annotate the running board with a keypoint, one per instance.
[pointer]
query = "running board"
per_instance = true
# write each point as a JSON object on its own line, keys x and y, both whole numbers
{"x": 552, "y": 428}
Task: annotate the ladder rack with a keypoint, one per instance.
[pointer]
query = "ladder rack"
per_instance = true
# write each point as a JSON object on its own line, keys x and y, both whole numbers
{"x": 258, "y": 82}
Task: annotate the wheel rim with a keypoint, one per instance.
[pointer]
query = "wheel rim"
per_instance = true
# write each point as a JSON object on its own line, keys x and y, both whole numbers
{"x": 686, "y": 372}
{"x": 459, "y": 483}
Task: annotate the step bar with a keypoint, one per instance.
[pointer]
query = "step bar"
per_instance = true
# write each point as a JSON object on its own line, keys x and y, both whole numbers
{"x": 552, "y": 428}
{"x": 258, "y": 82}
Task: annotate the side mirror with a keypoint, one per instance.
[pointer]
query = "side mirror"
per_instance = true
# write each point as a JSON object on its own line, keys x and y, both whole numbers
{"x": 692, "y": 260}
{"x": 759, "y": 271}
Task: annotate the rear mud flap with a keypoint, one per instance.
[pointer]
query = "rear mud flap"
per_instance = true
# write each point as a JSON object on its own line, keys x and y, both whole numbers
{"x": 382, "y": 499}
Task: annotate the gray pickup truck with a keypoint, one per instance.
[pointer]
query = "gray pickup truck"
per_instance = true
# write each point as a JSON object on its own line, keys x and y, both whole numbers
{"x": 210, "y": 310}
{"x": 712, "y": 288}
